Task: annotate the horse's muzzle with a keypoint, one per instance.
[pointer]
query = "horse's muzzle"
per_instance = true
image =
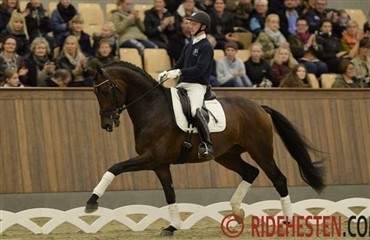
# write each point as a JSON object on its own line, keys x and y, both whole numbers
{"x": 109, "y": 123}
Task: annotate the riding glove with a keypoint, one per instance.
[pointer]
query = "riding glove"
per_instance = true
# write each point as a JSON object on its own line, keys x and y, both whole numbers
{"x": 174, "y": 74}
{"x": 162, "y": 76}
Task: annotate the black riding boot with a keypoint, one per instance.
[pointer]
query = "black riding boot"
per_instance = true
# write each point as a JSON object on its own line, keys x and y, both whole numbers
{"x": 205, "y": 150}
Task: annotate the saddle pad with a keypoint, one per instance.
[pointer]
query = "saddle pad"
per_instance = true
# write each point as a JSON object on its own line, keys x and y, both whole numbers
{"x": 213, "y": 106}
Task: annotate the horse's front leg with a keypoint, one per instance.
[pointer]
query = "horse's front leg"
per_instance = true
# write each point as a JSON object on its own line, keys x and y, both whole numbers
{"x": 164, "y": 175}
{"x": 142, "y": 162}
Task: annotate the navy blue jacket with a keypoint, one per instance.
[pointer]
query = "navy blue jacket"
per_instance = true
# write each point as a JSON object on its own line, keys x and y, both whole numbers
{"x": 195, "y": 62}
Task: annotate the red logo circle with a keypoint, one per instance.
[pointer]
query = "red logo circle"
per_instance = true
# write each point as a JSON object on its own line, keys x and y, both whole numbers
{"x": 230, "y": 231}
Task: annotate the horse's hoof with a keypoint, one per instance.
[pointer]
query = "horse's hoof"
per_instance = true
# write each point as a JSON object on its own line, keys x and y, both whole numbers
{"x": 91, "y": 207}
{"x": 168, "y": 232}
{"x": 240, "y": 215}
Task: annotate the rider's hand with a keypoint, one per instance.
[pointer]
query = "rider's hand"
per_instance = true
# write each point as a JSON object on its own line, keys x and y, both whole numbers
{"x": 174, "y": 74}
{"x": 162, "y": 76}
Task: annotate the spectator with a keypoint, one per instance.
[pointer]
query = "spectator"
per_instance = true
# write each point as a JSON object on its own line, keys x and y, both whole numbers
{"x": 258, "y": 70}
{"x": 159, "y": 24}
{"x": 206, "y": 5}
{"x": 72, "y": 59}
{"x": 130, "y": 28}
{"x": 9, "y": 59}
{"x": 38, "y": 21}
{"x": 40, "y": 66}
{"x": 103, "y": 56}
{"x": 186, "y": 8}
{"x": 329, "y": 50}
{"x": 351, "y": 39}
{"x": 242, "y": 11}
{"x": 282, "y": 65}
{"x": 60, "y": 78}
{"x": 6, "y": 9}
{"x": 258, "y": 17}
{"x": 11, "y": 79}
{"x": 304, "y": 49}
{"x": 362, "y": 61}
{"x": 297, "y": 78}
{"x": 17, "y": 27}
{"x": 179, "y": 40}
{"x": 231, "y": 70}
{"x": 271, "y": 38}
{"x": 317, "y": 14}
{"x": 60, "y": 18}
{"x": 367, "y": 25}
{"x": 347, "y": 76}
{"x": 222, "y": 27}
{"x": 76, "y": 29}
{"x": 108, "y": 31}
{"x": 340, "y": 21}
{"x": 288, "y": 17}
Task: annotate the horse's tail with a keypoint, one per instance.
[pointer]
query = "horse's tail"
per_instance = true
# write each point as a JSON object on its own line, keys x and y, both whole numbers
{"x": 311, "y": 172}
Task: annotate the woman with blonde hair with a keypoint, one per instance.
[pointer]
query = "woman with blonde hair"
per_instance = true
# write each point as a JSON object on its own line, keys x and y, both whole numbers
{"x": 6, "y": 9}
{"x": 282, "y": 64}
{"x": 72, "y": 59}
{"x": 17, "y": 28}
{"x": 351, "y": 38}
{"x": 271, "y": 38}
{"x": 39, "y": 63}
{"x": 108, "y": 31}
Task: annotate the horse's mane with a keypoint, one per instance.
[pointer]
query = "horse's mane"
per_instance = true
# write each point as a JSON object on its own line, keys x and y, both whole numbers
{"x": 131, "y": 67}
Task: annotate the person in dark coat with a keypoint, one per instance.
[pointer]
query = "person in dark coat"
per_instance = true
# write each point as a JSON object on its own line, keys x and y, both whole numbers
{"x": 6, "y": 9}
{"x": 179, "y": 40}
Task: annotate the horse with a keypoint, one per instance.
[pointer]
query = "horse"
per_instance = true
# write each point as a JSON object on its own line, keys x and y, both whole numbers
{"x": 249, "y": 128}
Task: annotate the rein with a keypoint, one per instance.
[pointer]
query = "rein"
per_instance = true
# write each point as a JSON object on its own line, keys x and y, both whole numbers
{"x": 119, "y": 109}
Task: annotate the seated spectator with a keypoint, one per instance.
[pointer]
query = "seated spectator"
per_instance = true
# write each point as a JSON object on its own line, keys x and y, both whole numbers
{"x": 76, "y": 29}
{"x": 258, "y": 70}
{"x": 222, "y": 27}
{"x": 9, "y": 59}
{"x": 329, "y": 50}
{"x": 288, "y": 17}
{"x": 282, "y": 64}
{"x": 339, "y": 21}
{"x": 179, "y": 40}
{"x": 317, "y": 14}
{"x": 362, "y": 61}
{"x": 39, "y": 64}
{"x": 205, "y": 5}
{"x": 103, "y": 56}
{"x": 296, "y": 78}
{"x": 6, "y": 9}
{"x": 159, "y": 24}
{"x": 304, "y": 49}
{"x": 351, "y": 38}
{"x": 60, "y": 78}
{"x": 307, "y": 5}
{"x": 11, "y": 79}
{"x": 271, "y": 38}
{"x": 347, "y": 76}
{"x": 60, "y": 18}
{"x": 186, "y": 8}
{"x": 231, "y": 70}
{"x": 72, "y": 59}
{"x": 130, "y": 28}
{"x": 258, "y": 17}
{"x": 17, "y": 27}
{"x": 38, "y": 22}
{"x": 242, "y": 11}
{"x": 108, "y": 31}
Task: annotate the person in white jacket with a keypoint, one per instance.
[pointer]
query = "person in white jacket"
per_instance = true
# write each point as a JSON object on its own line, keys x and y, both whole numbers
{"x": 231, "y": 70}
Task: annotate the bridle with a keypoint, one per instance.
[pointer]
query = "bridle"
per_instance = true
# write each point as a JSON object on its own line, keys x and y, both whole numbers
{"x": 114, "y": 89}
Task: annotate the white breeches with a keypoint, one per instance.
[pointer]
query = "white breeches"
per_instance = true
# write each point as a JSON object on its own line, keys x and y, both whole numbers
{"x": 196, "y": 93}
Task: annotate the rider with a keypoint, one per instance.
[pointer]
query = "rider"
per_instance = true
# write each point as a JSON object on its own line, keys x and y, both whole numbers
{"x": 193, "y": 69}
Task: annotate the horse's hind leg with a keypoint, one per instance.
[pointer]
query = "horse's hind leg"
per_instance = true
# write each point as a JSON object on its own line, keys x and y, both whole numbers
{"x": 233, "y": 161}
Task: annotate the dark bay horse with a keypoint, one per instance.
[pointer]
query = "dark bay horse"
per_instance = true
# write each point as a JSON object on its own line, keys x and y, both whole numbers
{"x": 121, "y": 85}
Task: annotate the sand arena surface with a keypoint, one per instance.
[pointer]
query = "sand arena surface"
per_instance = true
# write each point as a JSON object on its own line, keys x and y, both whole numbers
{"x": 206, "y": 229}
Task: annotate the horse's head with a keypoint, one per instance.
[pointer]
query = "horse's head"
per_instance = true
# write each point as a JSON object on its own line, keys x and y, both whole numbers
{"x": 111, "y": 98}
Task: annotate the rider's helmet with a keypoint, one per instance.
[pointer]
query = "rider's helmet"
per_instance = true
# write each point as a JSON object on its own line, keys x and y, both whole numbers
{"x": 201, "y": 17}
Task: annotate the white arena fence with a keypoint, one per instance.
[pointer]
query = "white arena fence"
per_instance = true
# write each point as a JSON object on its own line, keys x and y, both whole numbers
{"x": 152, "y": 214}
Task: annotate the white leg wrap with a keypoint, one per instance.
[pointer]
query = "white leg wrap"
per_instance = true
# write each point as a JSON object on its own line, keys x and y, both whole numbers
{"x": 239, "y": 195}
{"x": 103, "y": 184}
{"x": 286, "y": 206}
{"x": 175, "y": 219}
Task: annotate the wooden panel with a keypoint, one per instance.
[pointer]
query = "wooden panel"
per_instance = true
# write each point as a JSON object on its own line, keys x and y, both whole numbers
{"x": 51, "y": 140}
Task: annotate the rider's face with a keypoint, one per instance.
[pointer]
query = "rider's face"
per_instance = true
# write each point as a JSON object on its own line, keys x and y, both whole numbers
{"x": 194, "y": 26}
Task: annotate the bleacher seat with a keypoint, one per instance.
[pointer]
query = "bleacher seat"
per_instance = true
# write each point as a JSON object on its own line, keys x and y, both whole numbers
{"x": 358, "y": 15}
{"x": 141, "y": 8}
{"x": 218, "y": 54}
{"x": 52, "y": 6}
{"x": 327, "y": 79}
{"x": 131, "y": 55}
{"x": 108, "y": 9}
{"x": 243, "y": 54}
{"x": 312, "y": 80}
{"x": 156, "y": 60}
{"x": 245, "y": 38}
{"x": 93, "y": 16}
{"x": 22, "y": 5}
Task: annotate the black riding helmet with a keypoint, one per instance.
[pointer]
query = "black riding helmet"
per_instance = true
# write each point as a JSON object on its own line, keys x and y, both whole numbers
{"x": 201, "y": 17}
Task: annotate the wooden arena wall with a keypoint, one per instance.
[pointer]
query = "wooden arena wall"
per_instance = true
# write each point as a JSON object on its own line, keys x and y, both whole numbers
{"x": 51, "y": 140}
